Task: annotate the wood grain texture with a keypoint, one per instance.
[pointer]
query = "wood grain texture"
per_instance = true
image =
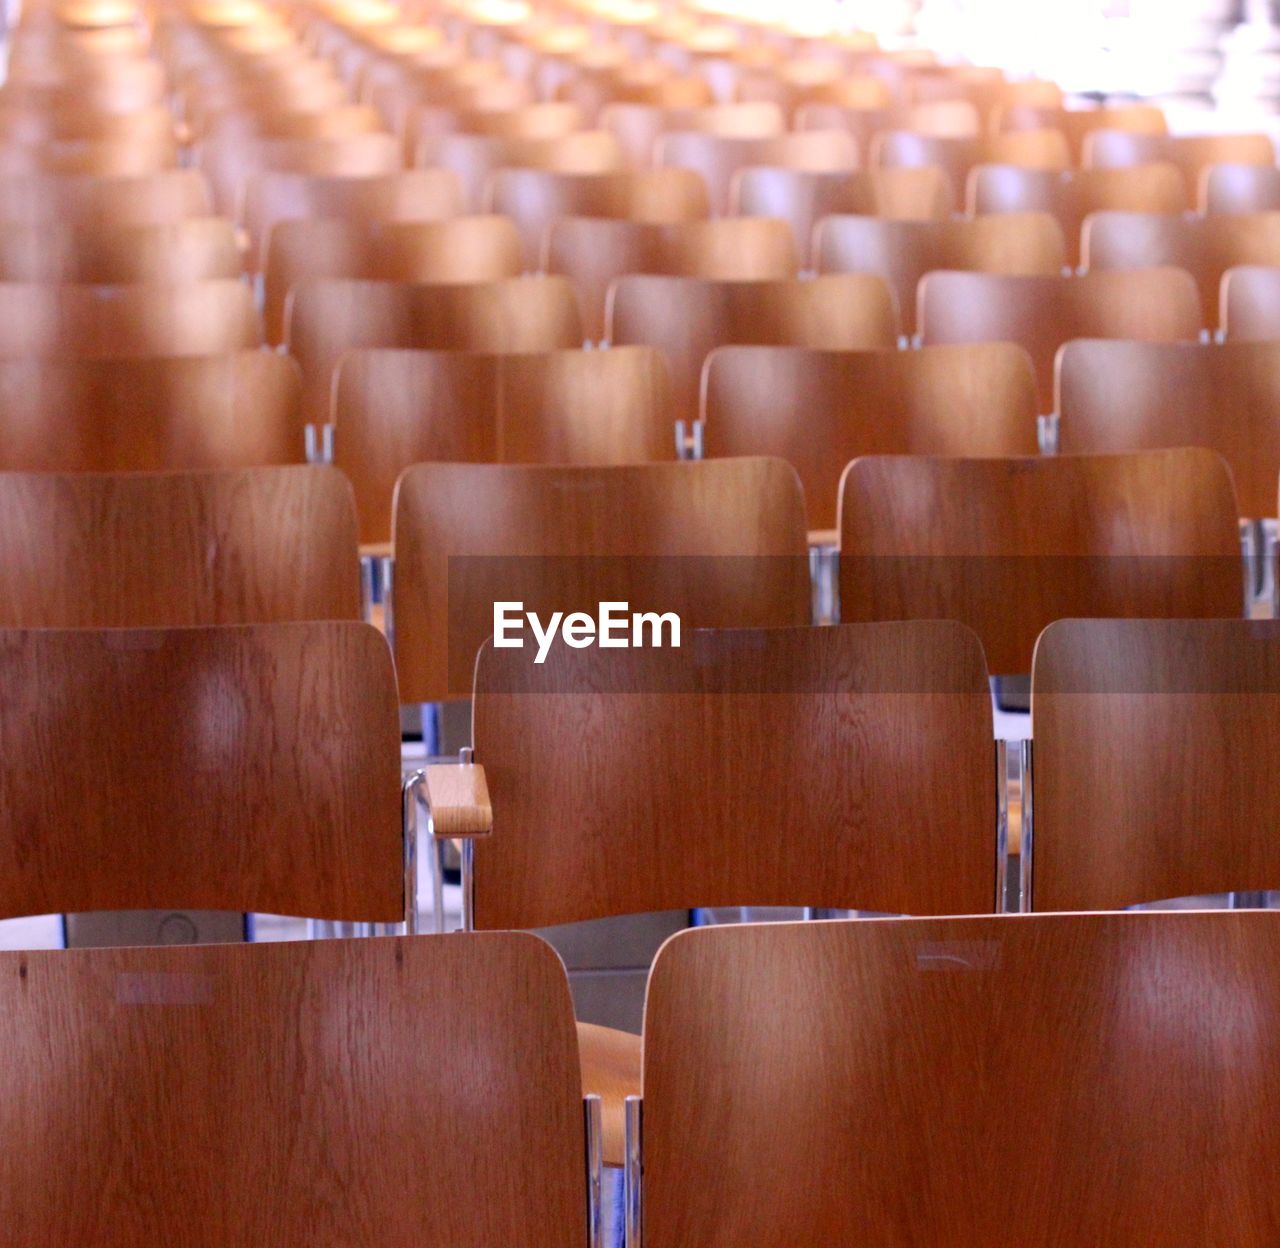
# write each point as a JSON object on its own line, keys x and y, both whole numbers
{"x": 879, "y": 1082}
{"x": 250, "y": 769}
{"x": 1251, "y": 303}
{"x": 1192, "y": 153}
{"x": 676, "y": 793}
{"x": 1129, "y": 396}
{"x": 219, "y": 411}
{"x": 1010, "y": 545}
{"x": 820, "y": 409}
{"x": 298, "y": 1093}
{"x": 611, "y": 1065}
{"x": 902, "y": 252}
{"x": 720, "y": 542}
{"x": 397, "y": 408}
{"x": 1155, "y": 773}
{"x": 594, "y": 253}
{"x": 144, "y": 550}
{"x": 1043, "y": 313}
{"x": 1228, "y": 188}
{"x": 459, "y": 799}
{"x": 639, "y": 125}
{"x": 688, "y": 318}
{"x": 327, "y": 318}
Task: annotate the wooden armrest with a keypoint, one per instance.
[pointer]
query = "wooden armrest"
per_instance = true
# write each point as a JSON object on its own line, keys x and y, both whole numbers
{"x": 611, "y": 1069}
{"x": 459, "y": 799}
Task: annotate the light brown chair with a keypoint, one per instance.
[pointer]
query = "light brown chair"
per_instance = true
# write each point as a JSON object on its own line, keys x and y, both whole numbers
{"x": 147, "y": 550}
{"x": 87, "y": 201}
{"x": 687, "y": 318}
{"x": 1042, "y": 313}
{"x": 547, "y": 120}
{"x": 794, "y": 85}
{"x": 458, "y": 249}
{"x": 255, "y": 125}
{"x": 1154, "y": 761}
{"x": 1194, "y": 154}
{"x": 1205, "y": 247}
{"x": 327, "y": 318}
{"x": 1129, "y": 396}
{"x": 535, "y": 198}
{"x": 718, "y": 158}
{"x": 1034, "y": 149}
{"x": 1072, "y": 195}
{"x": 820, "y": 409}
{"x": 722, "y": 543}
{"x": 248, "y": 1073}
{"x": 202, "y": 106}
{"x": 1251, "y": 304}
{"x": 109, "y": 415}
{"x": 1078, "y": 123}
{"x": 802, "y": 198}
{"x": 1084, "y": 1053}
{"x": 902, "y": 252}
{"x": 593, "y": 253}
{"x": 1228, "y": 188}
{"x": 392, "y": 409}
{"x": 43, "y": 125}
{"x": 638, "y": 127}
{"x": 644, "y": 84}
{"x": 1007, "y": 546}
{"x": 101, "y": 158}
{"x": 92, "y": 322}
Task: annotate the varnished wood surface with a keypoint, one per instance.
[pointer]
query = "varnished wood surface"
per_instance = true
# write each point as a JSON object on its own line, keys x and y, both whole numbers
{"x": 219, "y": 411}
{"x": 687, "y": 318}
{"x": 1129, "y": 396}
{"x": 820, "y": 409}
{"x": 594, "y": 253}
{"x": 1229, "y": 188}
{"x": 676, "y": 792}
{"x": 84, "y": 200}
{"x": 397, "y": 408}
{"x": 1010, "y": 545}
{"x": 611, "y": 1063}
{"x": 1043, "y": 313}
{"x": 252, "y": 769}
{"x": 1251, "y": 303}
{"x": 459, "y": 799}
{"x": 720, "y": 542}
{"x": 1194, "y": 154}
{"x": 880, "y": 1083}
{"x": 326, "y": 318}
{"x": 293, "y": 1094}
{"x": 640, "y": 126}
{"x": 902, "y": 252}
{"x": 1154, "y": 762}
{"x": 143, "y": 550}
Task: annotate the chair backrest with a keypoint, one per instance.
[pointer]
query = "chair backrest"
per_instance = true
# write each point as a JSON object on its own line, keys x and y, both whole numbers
{"x": 1042, "y": 313}
{"x": 83, "y": 200}
{"x": 820, "y": 409}
{"x": 1078, "y": 123}
{"x": 457, "y": 249}
{"x": 639, "y": 126}
{"x": 545, "y": 120}
{"x": 392, "y": 409}
{"x": 534, "y": 198}
{"x": 593, "y": 253}
{"x": 687, "y": 318}
{"x": 152, "y": 550}
{"x": 902, "y": 252}
{"x": 1192, "y": 153}
{"x": 958, "y": 156}
{"x": 343, "y": 122}
{"x": 1009, "y": 545}
{"x": 282, "y": 814}
{"x": 102, "y": 158}
{"x": 1227, "y": 188}
{"x": 327, "y": 318}
{"x": 1129, "y": 396}
{"x": 87, "y": 322}
{"x": 1154, "y": 748}
{"x": 802, "y": 198}
{"x": 720, "y": 542}
{"x": 229, "y": 411}
{"x": 40, "y": 125}
{"x": 843, "y": 1057}
{"x": 247, "y": 1073}
{"x": 1250, "y": 307}
{"x": 688, "y": 799}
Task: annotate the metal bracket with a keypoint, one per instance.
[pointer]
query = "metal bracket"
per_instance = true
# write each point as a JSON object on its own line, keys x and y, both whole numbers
{"x": 1028, "y": 828}
{"x": 318, "y": 441}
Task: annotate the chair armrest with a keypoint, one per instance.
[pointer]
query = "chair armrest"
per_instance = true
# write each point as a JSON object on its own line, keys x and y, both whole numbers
{"x": 458, "y": 797}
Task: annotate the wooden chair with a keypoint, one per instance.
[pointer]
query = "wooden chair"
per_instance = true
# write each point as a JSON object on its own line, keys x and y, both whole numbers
{"x": 720, "y": 542}
{"x": 535, "y": 198}
{"x": 1042, "y": 313}
{"x": 344, "y": 122}
{"x": 392, "y": 409}
{"x": 87, "y": 201}
{"x": 902, "y": 252}
{"x": 327, "y": 318}
{"x": 1072, "y": 195}
{"x": 718, "y": 158}
{"x": 1007, "y": 546}
{"x": 1116, "y": 700}
{"x": 1078, "y": 123}
{"x": 958, "y": 157}
{"x": 93, "y": 322}
{"x": 687, "y": 318}
{"x": 820, "y": 409}
{"x": 1251, "y": 304}
{"x": 1228, "y": 188}
{"x": 100, "y": 158}
{"x": 457, "y": 249}
{"x": 1194, "y": 154}
{"x": 202, "y": 106}
{"x": 638, "y": 127}
{"x": 636, "y": 84}
{"x": 1055, "y": 1045}
{"x": 43, "y": 125}
{"x": 546, "y": 120}
{"x": 594, "y": 253}
{"x": 233, "y": 1064}
{"x": 1205, "y": 247}
{"x": 793, "y": 86}
{"x": 802, "y": 198}
{"x": 157, "y": 414}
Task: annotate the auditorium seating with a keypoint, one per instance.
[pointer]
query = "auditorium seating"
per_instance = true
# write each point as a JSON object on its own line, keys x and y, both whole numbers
{"x": 1250, "y": 308}
{"x": 1194, "y": 154}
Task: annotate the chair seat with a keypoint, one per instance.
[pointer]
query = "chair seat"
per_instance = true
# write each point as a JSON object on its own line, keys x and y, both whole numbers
{"x": 611, "y": 1068}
